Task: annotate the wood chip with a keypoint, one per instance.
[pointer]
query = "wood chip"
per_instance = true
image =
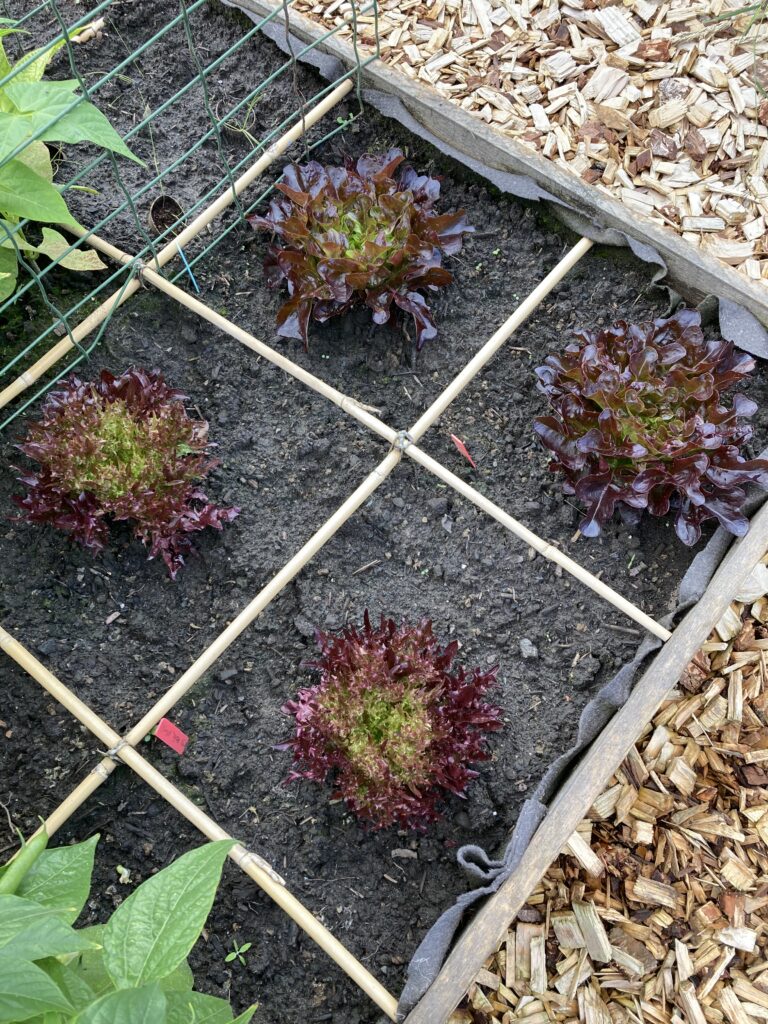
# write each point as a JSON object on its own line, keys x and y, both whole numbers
{"x": 663, "y": 76}
{"x": 674, "y": 930}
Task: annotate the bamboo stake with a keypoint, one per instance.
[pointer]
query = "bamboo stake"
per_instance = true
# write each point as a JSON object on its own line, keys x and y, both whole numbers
{"x": 211, "y": 654}
{"x": 362, "y": 415}
{"x": 254, "y": 866}
{"x": 544, "y": 548}
{"x": 170, "y": 250}
{"x": 345, "y": 402}
{"x": 494, "y": 343}
{"x": 587, "y": 778}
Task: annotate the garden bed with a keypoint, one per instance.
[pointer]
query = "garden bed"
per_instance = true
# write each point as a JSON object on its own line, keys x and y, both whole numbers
{"x": 119, "y": 632}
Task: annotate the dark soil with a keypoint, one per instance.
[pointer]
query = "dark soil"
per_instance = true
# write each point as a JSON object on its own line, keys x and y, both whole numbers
{"x": 289, "y": 459}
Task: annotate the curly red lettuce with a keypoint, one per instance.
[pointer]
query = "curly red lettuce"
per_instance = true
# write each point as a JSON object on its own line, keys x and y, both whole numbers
{"x": 639, "y": 423}
{"x": 358, "y": 234}
{"x": 391, "y": 722}
{"x": 121, "y": 449}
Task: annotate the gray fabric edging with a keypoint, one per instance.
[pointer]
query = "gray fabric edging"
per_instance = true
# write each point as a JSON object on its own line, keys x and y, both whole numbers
{"x": 737, "y": 324}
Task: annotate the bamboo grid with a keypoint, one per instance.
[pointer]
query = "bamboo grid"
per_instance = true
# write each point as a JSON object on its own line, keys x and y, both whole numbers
{"x": 121, "y": 749}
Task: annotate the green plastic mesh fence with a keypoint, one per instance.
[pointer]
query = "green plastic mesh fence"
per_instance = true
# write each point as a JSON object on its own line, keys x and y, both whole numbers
{"x": 60, "y": 89}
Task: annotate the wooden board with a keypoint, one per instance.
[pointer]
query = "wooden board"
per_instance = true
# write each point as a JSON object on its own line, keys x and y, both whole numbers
{"x": 693, "y": 272}
{"x": 588, "y": 778}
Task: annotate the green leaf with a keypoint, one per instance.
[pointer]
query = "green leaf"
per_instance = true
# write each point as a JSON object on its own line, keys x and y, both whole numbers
{"x": 5, "y": 65}
{"x": 144, "y": 1005}
{"x": 152, "y": 932}
{"x": 89, "y": 966}
{"x": 37, "y": 104}
{"x": 7, "y": 280}
{"x": 27, "y": 991}
{"x": 25, "y": 194}
{"x": 54, "y": 244}
{"x": 37, "y": 157}
{"x": 197, "y": 1008}
{"x": 7, "y": 243}
{"x": 180, "y": 980}
{"x": 36, "y": 69}
{"x": 88, "y": 124}
{"x": 18, "y": 914}
{"x": 33, "y": 105}
{"x": 44, "y": 939}
{"x": 72, "y": 984}
{"x": 246, "y": 1015}
{"x": 61, "y": 877}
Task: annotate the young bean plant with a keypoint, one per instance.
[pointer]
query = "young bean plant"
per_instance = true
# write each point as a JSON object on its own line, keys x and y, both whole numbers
{"x": 639, "y": 422}
{"x": 132, "y": 968}
{"x": 33, "y": 112}
{"x": 121, "y": 449}
{"x": 365, "y": 233}
{"x": 391, "y": 722}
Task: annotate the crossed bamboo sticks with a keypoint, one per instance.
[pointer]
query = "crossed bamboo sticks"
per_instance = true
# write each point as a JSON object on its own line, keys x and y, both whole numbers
{"x": 122, "y": 749}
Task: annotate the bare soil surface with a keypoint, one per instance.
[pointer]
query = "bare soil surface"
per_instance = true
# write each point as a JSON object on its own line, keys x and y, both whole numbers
{"x": 289, "y": 459}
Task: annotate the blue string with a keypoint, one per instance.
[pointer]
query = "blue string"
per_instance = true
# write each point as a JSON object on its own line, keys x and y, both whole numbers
{"x": 188, "y": 268}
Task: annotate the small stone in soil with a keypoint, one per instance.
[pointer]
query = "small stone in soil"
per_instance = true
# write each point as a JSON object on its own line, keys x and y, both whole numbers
{"x": 528, "y": 649}
{"x": 52, "y": 646}
{"x": 438, "y": 505}
{"x": 582, "y": 674}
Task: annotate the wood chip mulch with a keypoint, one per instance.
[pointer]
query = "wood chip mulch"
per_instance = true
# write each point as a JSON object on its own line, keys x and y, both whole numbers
{"x": 660, "y": 103}
{"x": 656, "y": 912}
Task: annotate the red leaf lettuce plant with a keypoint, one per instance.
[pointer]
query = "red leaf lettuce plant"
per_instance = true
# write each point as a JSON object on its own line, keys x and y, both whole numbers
{"x": 121, "y": 448}
{"x": 391, "y": 722}
{"x": 358, "y": 234}
{"x": 639, "y": 423}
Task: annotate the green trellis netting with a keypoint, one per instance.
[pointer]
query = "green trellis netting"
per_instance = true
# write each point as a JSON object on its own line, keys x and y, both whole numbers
{"x": 45, "y": 27}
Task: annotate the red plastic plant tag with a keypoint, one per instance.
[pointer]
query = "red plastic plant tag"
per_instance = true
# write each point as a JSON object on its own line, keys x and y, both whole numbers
{"x": 463, "y": 449}
{"x": 171, "y": 735}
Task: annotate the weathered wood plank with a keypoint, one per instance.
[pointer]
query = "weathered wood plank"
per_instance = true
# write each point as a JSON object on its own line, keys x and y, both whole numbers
{"x": 588, "y": 779}
{"x": 694, "y": 272}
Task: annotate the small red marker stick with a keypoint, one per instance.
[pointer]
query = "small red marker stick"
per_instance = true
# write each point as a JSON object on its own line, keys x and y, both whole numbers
{"x": 171, "y": 735}
{"x": 463, "y": 449}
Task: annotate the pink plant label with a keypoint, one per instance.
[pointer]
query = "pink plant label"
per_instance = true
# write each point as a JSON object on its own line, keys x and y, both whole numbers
{"x": 171, "y": 735}
{"x": 463, "y": 449}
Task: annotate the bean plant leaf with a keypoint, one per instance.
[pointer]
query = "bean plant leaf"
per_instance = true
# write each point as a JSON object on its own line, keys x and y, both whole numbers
{"x": 152, "y": 932}
{"x": 5, "y": 64}
{"x": 197, "y": 1008}
{"x": 42, "y": 110}
{"x": 54, "y": 244}
{"x": 87, "y": 124}
{"x": 179, "y": 981}
{"x": 18, "y": 914}
{"x": 26, "y": 991}
{"x": 37, "y": 157}
{"x": 71, "y": 982}
{"x": 61, "y": 878}
{"x": 89, "y": 966}
{"x": 44, "y": 939}
{"x": 25, "y": 194}
{"x": 31, "y": 107}
{"x": 40, "y": 58}
{"x": 144, "y": 1005}
{"x": 12, "y": 233}
{"x": 8, "y": 273}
